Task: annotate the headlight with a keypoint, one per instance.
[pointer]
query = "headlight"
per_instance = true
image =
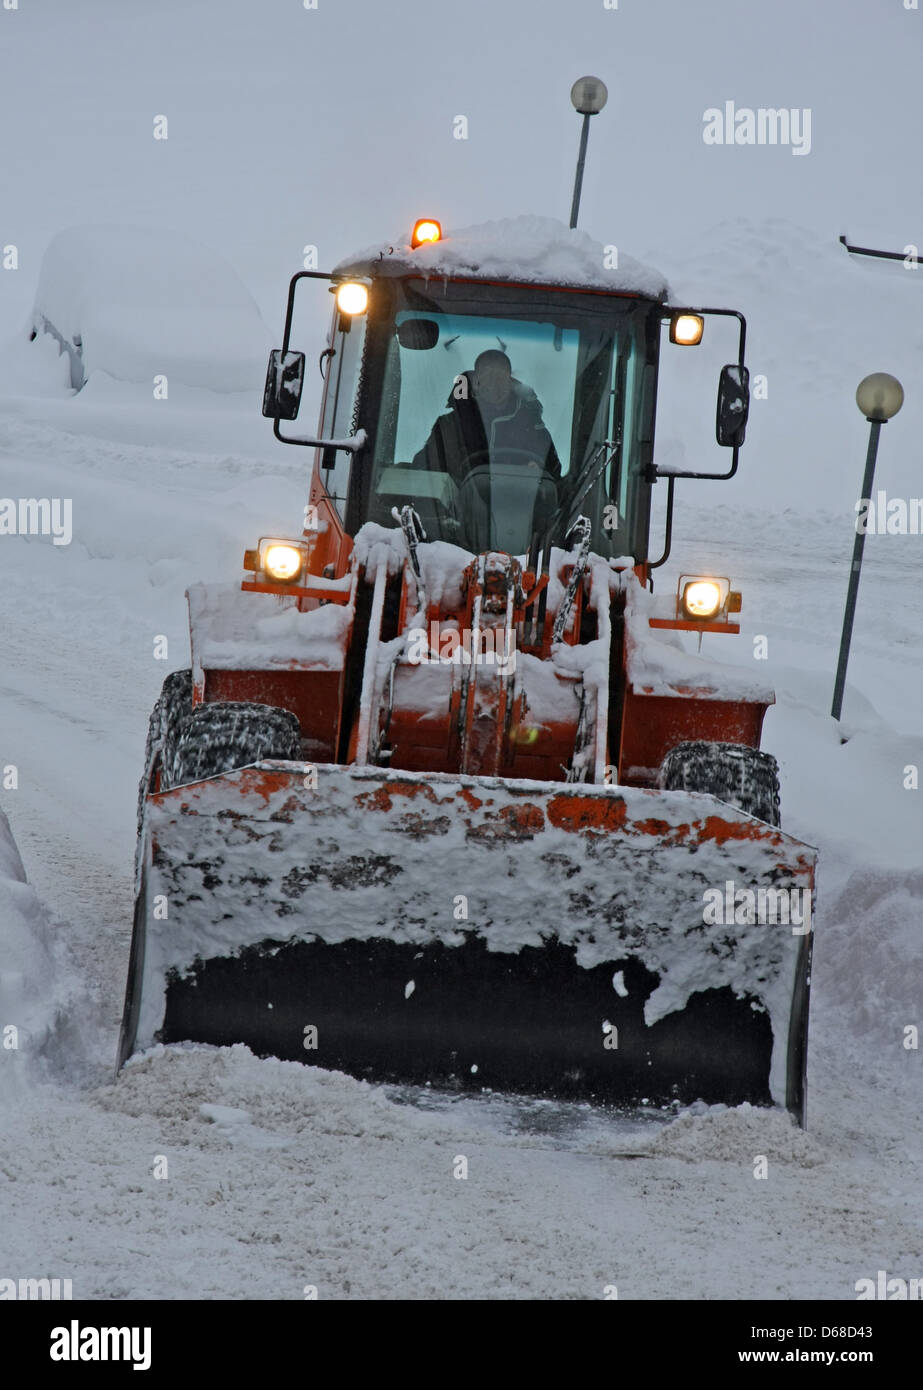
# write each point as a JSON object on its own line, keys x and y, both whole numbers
{"x": 701, "y": 598}
{"x": 687, "y": 329}
{"x": 352, "y": 298}
{"x": 282, "y": 562}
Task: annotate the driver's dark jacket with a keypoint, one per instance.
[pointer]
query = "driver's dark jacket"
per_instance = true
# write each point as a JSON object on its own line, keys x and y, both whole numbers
{"x": 457, "y": 437}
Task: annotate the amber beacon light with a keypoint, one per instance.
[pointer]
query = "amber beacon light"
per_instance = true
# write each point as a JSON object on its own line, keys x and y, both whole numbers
{"x": 425, "y": 229}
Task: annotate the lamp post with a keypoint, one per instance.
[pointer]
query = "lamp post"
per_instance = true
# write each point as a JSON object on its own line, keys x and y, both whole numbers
{"x": 879, "y": 397}
{"x": 589, "y": 96}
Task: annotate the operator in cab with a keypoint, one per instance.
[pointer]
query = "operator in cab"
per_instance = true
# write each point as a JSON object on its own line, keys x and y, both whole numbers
{"x": 492, "y": 418}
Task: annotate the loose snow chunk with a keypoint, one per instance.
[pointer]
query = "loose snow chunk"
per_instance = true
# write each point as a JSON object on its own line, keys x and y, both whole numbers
{"x": 535, "y": 250}
{"x": 233, "y": 630}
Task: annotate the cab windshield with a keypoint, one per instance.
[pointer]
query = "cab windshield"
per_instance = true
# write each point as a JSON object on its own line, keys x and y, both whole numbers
{"x": 501, "y": 422}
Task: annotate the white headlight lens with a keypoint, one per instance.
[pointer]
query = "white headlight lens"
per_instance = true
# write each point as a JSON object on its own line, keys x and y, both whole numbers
{"x": 687, "y": 329}
{"x": 352, "y": 298}
{"x": 702, "y": 598}
{"x": 282, "y": 562}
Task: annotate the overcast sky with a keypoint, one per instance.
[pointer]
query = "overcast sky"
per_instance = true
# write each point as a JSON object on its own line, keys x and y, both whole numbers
{"x": 343, "y": 129}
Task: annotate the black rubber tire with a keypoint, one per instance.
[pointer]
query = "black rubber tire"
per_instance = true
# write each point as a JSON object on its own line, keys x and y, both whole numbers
{"x": 743, "y": 777}
{"x": 225, "y": 735}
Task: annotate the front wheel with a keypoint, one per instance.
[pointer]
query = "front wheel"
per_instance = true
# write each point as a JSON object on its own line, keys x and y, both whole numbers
{"x": 173, "y": 708}
{"x": 224, "y": 735}
{"x": 743, "y": 777}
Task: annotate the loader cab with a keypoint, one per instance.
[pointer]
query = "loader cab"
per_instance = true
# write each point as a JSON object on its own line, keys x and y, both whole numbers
{"x": 558, "y": 420}
{"x": 408, "y": 418}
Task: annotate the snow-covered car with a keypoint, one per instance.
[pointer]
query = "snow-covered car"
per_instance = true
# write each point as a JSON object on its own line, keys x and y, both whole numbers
{"x": 138, "y": 303}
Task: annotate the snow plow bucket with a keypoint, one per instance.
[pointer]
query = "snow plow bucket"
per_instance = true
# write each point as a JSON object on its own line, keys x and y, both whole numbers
{"x": 616, "y": 944}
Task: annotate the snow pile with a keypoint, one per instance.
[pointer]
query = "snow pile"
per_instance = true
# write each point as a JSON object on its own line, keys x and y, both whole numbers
{"x": 239, "y": 630}
{"x": 550, "y": 690}
{"x": 658, "y": 664}
{"x": 374, "y": 545}
{"x": 529, "y": 249}
{"x": 442, "y": 564}
{"x": 230, "y": 1086}
{"x": 736, "y": 1135}
{"x": 137, "y": 303}
{"x": 872, "y": 951}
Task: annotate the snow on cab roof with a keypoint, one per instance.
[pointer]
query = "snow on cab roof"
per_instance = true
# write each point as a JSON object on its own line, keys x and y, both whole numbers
{"x": 533, "y": 250}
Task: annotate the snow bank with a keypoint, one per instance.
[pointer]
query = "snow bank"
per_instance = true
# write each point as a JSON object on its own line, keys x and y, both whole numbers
{"x": 138, "y": 303}
{"x": 31, "y": 997}
{"x": 534, "y": 250}
{"x": 871, "y": 958}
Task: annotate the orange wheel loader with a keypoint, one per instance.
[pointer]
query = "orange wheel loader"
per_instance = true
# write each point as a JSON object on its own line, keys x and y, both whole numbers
{"x": 445, "y": 797}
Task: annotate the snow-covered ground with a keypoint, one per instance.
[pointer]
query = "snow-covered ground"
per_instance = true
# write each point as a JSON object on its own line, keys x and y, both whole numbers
{"x": 207, "y": 1173}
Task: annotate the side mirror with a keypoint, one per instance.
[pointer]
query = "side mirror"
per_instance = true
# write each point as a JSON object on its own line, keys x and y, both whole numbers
{"x": 284, "y": 382}
{"x": 418, "y": 334}
{"x": 733, "y": 406}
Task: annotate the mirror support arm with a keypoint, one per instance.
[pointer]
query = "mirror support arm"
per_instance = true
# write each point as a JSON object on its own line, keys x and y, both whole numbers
{"x": 668, "y": 528}
{"x": 355, "y": 442}
{"x": 351, "y": 445}
{"x": 741, "y": 346}
{"x": 290, "y": 305}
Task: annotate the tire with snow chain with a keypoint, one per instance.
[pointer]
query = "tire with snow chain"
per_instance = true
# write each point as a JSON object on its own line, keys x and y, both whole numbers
{"x": 743, "y": 777}
{"x": 172, "y": 708}
{"x": 222, "y": 736}
{"x": 176, "y": 709}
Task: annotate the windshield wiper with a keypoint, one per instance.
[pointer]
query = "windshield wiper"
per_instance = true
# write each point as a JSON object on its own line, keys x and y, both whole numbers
{"x": 540, "y": 549}
{"x": 592, "y": 470}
